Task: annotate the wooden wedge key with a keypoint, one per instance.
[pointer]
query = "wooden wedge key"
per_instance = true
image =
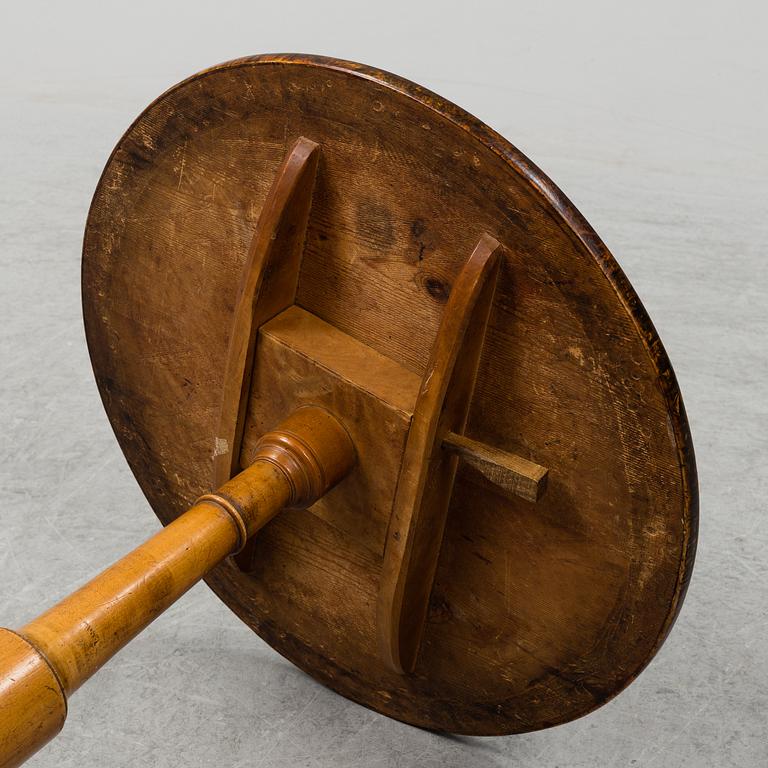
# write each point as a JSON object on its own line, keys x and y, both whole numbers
{"x": 390, "y": 396}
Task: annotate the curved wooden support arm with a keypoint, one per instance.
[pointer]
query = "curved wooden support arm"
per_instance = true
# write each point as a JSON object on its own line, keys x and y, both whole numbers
{"x": 268, "y": 286}
{"x": 426, "y": 479}
{"x": 54, "y": 654}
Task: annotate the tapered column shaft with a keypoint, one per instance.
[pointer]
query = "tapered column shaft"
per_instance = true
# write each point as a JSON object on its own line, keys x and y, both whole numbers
{"x": 83, "y": 631}
{"x": 54, "y": 654}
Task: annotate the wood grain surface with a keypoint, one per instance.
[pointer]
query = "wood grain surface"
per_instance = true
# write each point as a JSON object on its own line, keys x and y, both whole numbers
{"x": 34, "y": 706}
{"x": 539, "y": 613}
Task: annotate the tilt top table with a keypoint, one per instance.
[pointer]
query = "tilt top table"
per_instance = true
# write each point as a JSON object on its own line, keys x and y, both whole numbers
{"x": 391, "y": 397}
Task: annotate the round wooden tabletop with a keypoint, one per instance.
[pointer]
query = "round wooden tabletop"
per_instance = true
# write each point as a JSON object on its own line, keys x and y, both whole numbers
{"x": 539, "y": 612}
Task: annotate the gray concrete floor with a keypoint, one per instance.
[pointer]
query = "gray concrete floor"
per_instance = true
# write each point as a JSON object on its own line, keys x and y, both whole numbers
{"x": 652, "y": 119}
